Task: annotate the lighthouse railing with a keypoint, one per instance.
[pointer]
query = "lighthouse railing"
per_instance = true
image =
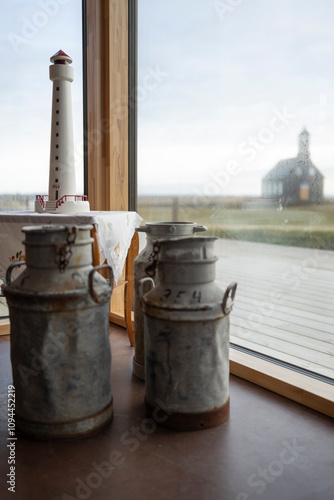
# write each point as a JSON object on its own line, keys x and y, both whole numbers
{"x": 42, "y": 199}
{"x": 74, "y": 197}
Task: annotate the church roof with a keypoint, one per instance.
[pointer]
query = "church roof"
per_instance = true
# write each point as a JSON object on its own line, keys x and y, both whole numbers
{"x": 286, "y": 167}
{"x": 281, "y": 170}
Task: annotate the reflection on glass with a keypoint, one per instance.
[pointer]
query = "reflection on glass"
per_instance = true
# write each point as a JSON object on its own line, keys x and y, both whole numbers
{"x": 31, "y": 33}
{"x": 235, "y": 133}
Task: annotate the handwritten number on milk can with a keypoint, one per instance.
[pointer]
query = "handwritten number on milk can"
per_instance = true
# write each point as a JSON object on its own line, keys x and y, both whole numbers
{"x": 168, "y": 291}
{"x": 197, "y": 295}
{"x": 179, "y": 294}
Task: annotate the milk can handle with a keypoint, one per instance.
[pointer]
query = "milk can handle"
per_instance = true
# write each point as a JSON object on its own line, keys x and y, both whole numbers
{"x": 10, "y": 269}
{"x": 91, "y": 283}
{"x": 199, "y": 229}
{"x": 141, "y": 286}
{"x": 231, "y": 289}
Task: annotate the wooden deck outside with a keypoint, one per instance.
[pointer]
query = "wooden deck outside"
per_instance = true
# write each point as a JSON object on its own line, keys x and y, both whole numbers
{"x": 284, "y": 306}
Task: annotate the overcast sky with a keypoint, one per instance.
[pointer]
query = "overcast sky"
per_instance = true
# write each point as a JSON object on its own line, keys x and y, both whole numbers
{"x": 224, "y": 89}
{"x": 30, "y": 35}
{"x": 227, "y": 73}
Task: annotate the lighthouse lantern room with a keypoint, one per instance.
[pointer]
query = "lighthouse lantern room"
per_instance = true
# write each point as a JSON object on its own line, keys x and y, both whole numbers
{"x": 62, "y": 197}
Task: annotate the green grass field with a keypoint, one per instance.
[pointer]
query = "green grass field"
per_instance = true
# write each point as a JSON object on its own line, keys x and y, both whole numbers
{"x": 308, "y": 226}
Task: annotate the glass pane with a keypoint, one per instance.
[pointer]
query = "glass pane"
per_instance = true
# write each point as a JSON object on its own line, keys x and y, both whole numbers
{"x": 31, "y": 33}
{"x": 236, "y": 122}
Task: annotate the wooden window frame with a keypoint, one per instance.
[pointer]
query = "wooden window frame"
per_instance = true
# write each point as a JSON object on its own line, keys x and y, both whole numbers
{"x": 110, "y": 117}
{"x": 110, "y": 69}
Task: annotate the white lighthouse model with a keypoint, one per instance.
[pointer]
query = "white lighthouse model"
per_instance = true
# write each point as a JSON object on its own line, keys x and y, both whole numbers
{"x": 62, "y": 196}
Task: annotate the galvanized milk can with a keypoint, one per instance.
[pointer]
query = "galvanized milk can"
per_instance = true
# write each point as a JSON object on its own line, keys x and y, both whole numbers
{"x": 186, "y": 320}
{"x": 154, "y": 231}
{"x": 60, "y": 350}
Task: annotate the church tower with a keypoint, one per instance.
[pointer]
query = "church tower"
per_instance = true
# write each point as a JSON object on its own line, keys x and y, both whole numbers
{"x": 62, "y": 196}
{"x": 304, "y": 139}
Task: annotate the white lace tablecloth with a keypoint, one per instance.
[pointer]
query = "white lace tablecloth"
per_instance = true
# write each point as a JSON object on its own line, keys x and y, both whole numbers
{"x": 114, "y": 229}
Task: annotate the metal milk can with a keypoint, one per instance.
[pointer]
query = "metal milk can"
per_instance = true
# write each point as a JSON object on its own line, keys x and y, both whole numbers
{"x": 186, "y": 320}
{"x": 154, "y": 231}
{"x": 60, "y": 350}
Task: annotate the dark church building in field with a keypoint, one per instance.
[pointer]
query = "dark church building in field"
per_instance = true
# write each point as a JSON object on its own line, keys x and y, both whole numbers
{"x": 295, "y": 181}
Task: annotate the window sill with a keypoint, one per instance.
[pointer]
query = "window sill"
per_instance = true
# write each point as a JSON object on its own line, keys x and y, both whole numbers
{"x": 305, "y": 390}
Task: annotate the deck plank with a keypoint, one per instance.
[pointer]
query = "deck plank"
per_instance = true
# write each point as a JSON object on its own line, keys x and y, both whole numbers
{"x": 265, "y": 324}
{"x": 298, "y": 329}
{"x": 290, "y": 315}
{"x": 296, "y": 302}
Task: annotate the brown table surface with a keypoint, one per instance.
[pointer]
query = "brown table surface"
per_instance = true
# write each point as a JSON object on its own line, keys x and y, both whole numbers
{"x": 270, "y": 448}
